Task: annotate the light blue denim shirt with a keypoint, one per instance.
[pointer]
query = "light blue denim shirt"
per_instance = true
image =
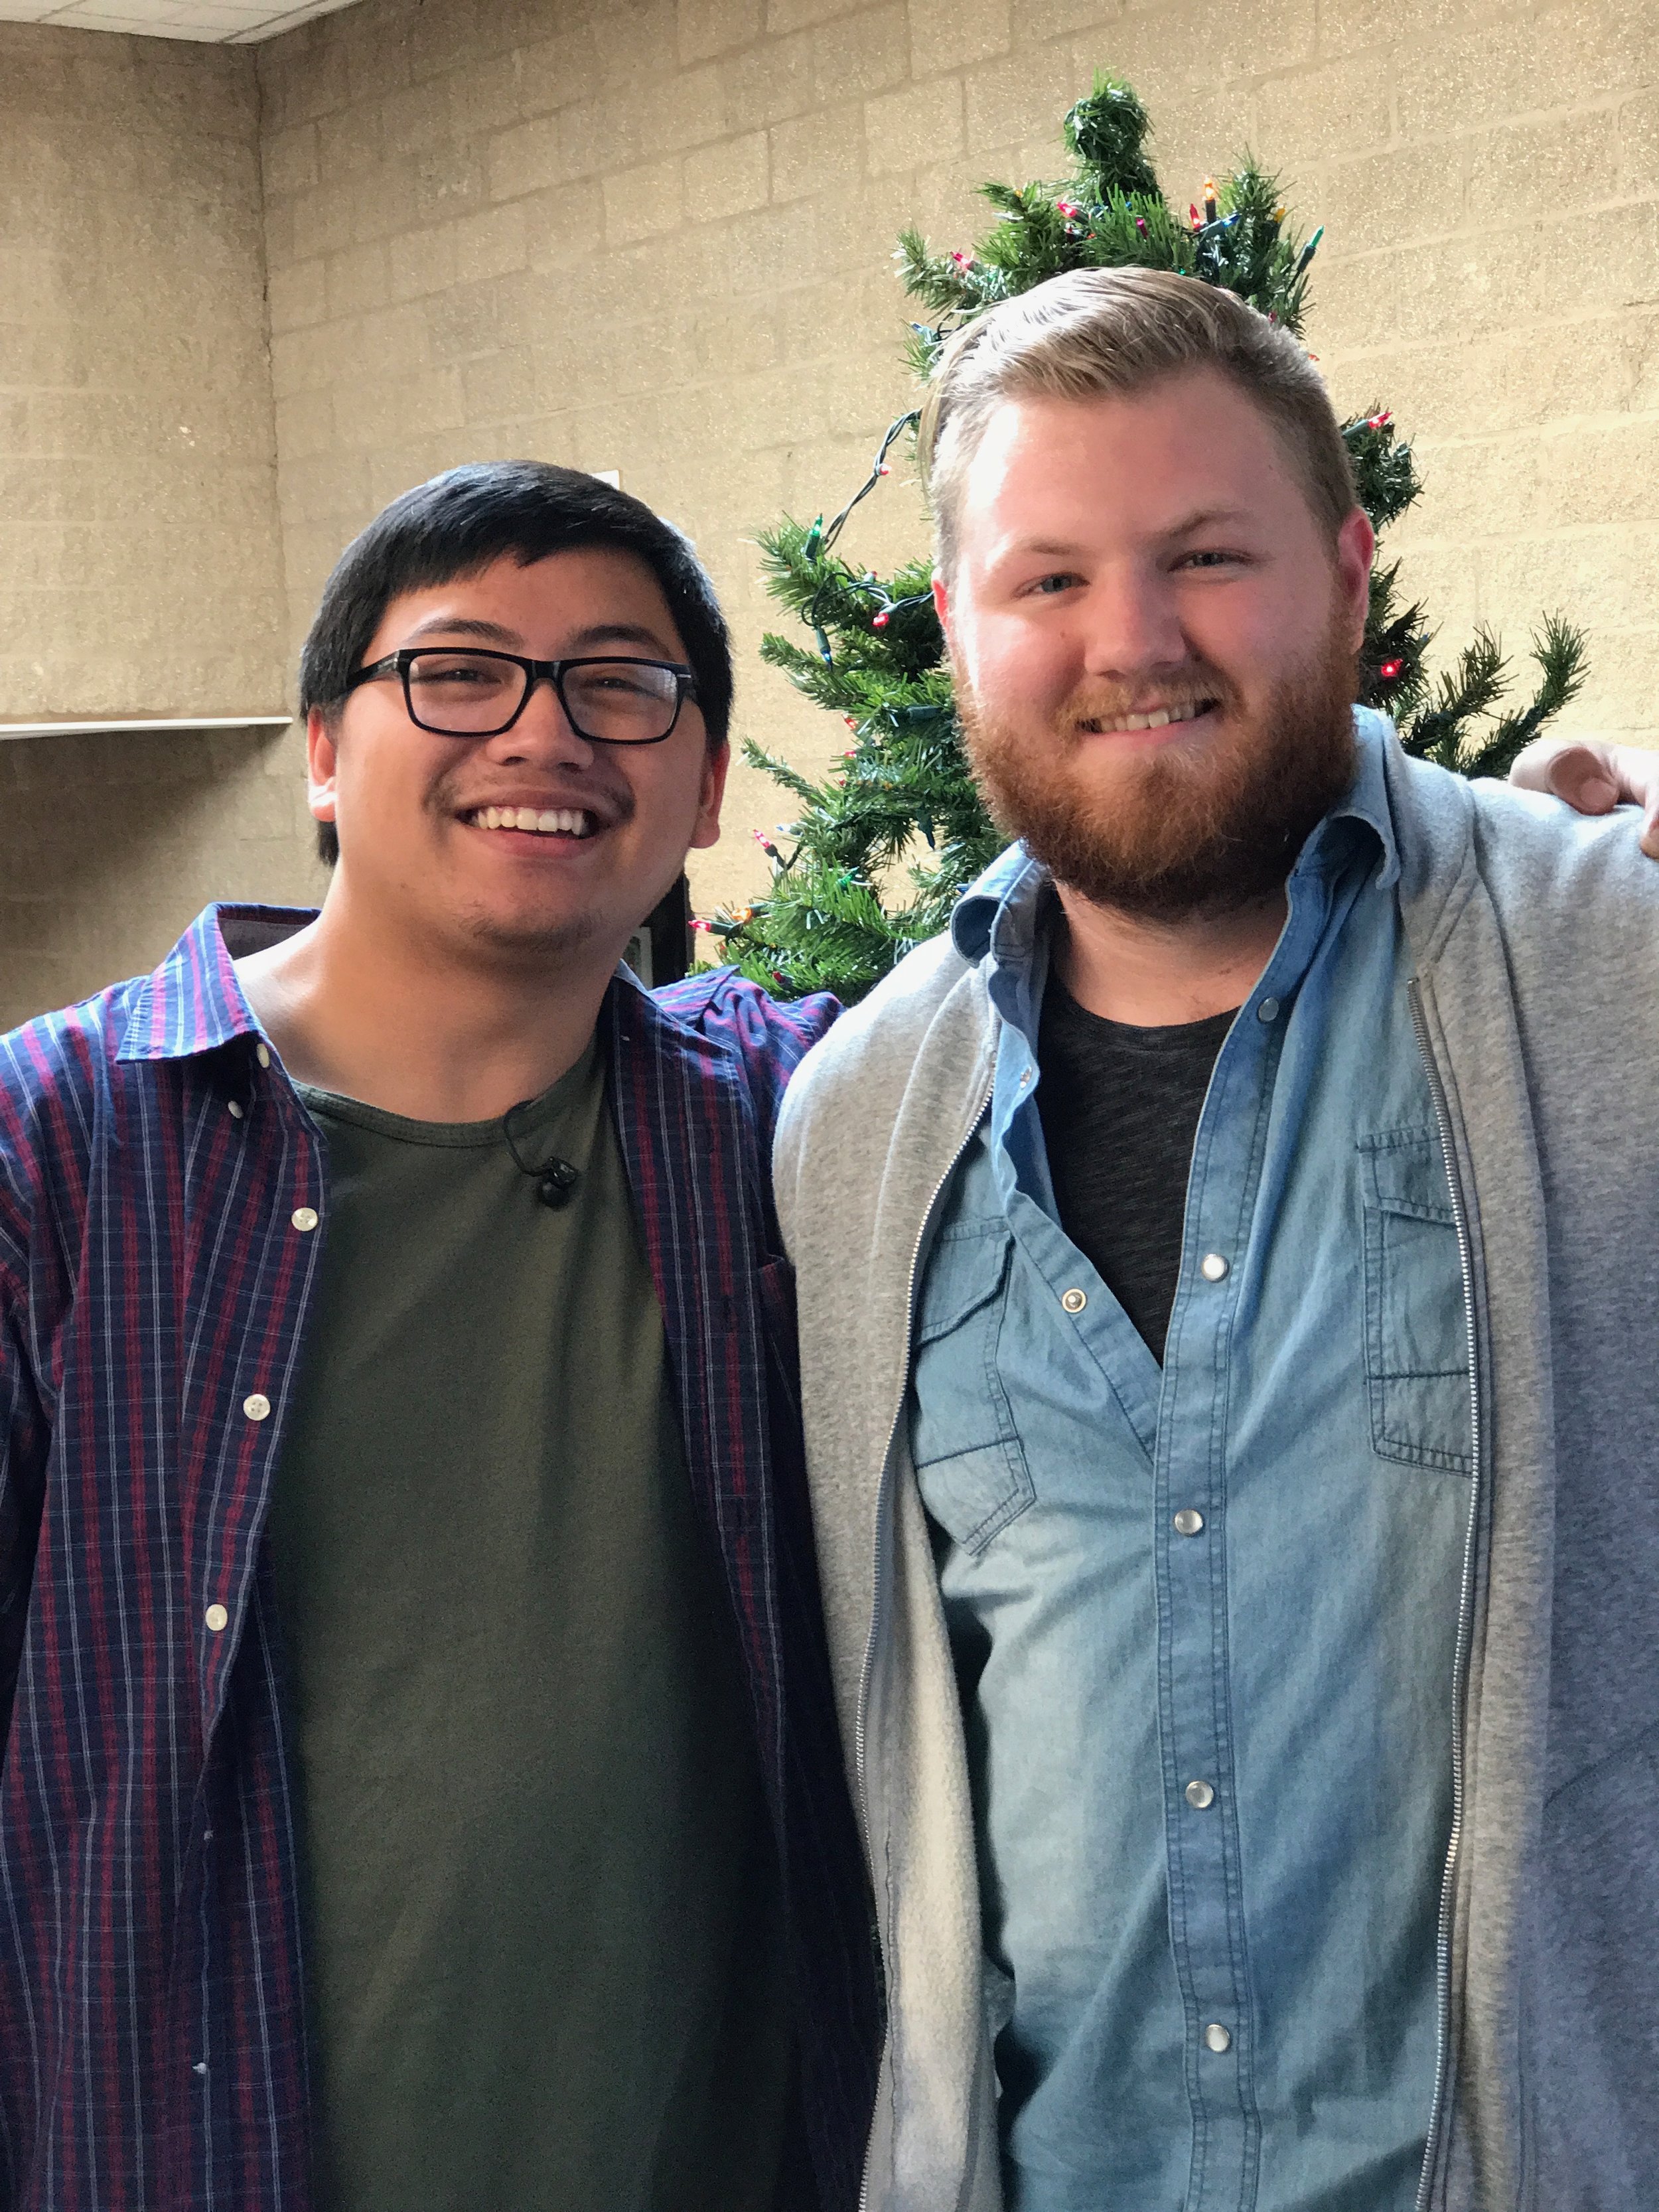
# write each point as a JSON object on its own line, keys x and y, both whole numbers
{"x": 1204, "y": 1620}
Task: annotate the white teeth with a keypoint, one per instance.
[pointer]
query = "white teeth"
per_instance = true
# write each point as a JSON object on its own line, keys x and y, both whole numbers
{"x": 549, "y": 822}
{"x": 1159, "y": 719}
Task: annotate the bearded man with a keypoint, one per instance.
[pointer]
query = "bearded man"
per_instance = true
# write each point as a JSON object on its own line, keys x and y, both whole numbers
{"x": 1228, "y": 1309}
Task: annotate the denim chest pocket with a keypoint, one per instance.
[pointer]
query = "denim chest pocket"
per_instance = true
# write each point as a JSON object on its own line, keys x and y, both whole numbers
{"x": 1417, "y": 1345}
{"x": 970, "y": 1467}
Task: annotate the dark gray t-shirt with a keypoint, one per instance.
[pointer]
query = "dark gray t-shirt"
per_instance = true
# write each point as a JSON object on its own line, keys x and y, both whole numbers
{"x": 544, "y": 1914}
{"x": 1119, "y": 1108}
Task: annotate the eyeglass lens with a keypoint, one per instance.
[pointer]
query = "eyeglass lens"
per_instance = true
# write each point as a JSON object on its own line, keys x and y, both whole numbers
{"x": 474, "y": 694}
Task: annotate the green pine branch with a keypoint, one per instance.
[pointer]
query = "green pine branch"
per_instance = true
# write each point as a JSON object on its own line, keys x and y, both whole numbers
{"x": 1449, "y": 732}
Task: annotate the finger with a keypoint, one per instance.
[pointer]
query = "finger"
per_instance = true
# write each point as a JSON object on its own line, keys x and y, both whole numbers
{"x": 1579, "y": 775}
{"x": 1651, "y": 831}
{"x": 1594, "y": 795}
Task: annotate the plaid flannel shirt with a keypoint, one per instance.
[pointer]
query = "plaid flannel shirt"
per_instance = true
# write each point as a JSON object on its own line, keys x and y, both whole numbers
{"x": 154, "y": 1291}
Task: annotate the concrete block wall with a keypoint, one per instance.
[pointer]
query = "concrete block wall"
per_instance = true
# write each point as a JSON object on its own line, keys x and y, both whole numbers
{"x": 653, "y": 236}
{"x": 139, "y": 559}
{"x": 656, "y": 237}
{"x": 111, "y": 844}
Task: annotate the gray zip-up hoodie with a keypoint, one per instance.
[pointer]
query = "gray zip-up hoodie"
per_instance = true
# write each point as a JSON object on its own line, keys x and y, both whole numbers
{"x": 1536, "y": 943}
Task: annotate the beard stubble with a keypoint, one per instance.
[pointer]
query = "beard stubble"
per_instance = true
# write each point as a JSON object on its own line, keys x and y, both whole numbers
{"x": 528, "y": 938}
{"x": 1185, "y": 833}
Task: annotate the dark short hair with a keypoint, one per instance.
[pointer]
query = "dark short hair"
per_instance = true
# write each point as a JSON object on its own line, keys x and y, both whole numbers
{"x": 460, "y": 522}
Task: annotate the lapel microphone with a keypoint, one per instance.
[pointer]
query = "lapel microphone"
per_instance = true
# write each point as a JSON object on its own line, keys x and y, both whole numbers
{"x": 555, "y": 1179}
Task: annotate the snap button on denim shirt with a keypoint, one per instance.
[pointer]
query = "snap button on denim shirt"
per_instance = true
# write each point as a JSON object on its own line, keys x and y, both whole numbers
{"x": 1211, "y": 1756}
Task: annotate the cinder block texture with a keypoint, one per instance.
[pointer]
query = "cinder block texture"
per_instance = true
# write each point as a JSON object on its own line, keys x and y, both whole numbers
{"x": 137, "y": 533}
{"x": 110, "y": 845}
{"x": 140, "y": 562}
{"x": 654, "y": 235}
{"x": 700, "y": 292}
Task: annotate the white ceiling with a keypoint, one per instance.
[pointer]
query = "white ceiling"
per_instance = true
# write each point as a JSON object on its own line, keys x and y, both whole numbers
{"x": 219, "y": 23}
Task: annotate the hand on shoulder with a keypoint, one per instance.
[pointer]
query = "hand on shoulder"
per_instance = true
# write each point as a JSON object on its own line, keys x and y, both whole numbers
{"x": 1594, "y": 776}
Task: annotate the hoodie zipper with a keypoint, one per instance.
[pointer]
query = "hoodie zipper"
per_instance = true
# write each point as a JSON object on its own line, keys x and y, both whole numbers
{"x": 883, "y": 1496}
{"x": 1460, "y": 1664}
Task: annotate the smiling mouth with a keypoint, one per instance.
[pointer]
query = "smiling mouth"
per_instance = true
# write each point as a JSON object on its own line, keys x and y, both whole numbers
{"x": 1160, "y": 718}
{"x": 541, "y": 822}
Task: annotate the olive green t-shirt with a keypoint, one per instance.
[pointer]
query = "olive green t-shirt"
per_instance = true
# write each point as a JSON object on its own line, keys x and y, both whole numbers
{"x": 543, "y": 1934}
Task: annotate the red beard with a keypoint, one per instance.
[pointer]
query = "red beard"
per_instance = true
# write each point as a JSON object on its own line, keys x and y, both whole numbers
{"x": 1180, "y": 832}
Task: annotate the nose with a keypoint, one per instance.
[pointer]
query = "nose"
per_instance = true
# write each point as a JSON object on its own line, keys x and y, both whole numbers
{"x": 542, "y": 735}
{"x": 1132, "y": 623}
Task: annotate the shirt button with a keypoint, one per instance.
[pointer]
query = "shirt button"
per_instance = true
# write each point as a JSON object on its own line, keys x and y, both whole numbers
{"x": 1199, "y": 1796}
{"x": 1216, "y": 2038}
{"x": 257, "y": 1406}
{"x": 1267, "y": 1011}
{"x": 1188, "y": 1521}
{"x": 304, "y": 1218}
{"x": 200, "y": 2067}
{"x": 233, "y": 1109}
{"x": 1212, "y": 1267}
{"x": 216, "y": 1618}
{"x": 262, "y": 1054}
{"x": 1025, "y": 1078}
{"x": 1074, "y": 1301}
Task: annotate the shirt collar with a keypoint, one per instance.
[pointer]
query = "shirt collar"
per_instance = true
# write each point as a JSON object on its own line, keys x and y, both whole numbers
{"x": 999, "y": 914}
{"x": 1368, "y": 801}
{"x": 193, "y": 1003}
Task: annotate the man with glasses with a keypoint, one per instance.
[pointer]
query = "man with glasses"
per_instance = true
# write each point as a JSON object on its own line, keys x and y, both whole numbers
{"x": 422, "y": 1785}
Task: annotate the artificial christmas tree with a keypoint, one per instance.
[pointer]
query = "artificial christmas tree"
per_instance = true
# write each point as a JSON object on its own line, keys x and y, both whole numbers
{"x": 879, "y": 852}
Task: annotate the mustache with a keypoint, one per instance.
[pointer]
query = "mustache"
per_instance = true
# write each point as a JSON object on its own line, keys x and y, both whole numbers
{"x": 1102, "y": 702}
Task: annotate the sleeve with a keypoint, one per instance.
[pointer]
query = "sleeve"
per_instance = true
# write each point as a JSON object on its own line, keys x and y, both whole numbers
{"x": 24, "y": 1439}
{"x": 37, "y": 1084}
{"x": 770, "y": 1037}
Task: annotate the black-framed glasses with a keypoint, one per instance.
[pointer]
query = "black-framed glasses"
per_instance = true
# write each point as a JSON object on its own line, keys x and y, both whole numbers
{"x": 464, "y": 693}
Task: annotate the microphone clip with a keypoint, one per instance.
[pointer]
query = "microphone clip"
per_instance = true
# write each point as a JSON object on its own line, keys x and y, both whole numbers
{"x": 555, "y": 1179}
{"x": 558, "y": 1180}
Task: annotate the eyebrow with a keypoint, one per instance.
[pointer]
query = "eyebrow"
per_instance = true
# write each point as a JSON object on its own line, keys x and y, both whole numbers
{"x": 461, "y": 625}
{"x": 584, "y": 641}
{"x": 619, "y": 634}
{"x": 1206, "y": 518}
{"x": 1203, "y": 518}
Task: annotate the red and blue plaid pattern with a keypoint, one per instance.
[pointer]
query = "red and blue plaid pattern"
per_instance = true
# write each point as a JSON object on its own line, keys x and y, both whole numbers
{"x": 155, "y": 1290}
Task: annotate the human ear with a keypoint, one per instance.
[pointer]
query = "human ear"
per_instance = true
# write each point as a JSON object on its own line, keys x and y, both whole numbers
{"x": 709, "y": 799}
{"x": 322, "y": 765}
{"x": 942, "y": 608}
{"x": 1356, "y": 542}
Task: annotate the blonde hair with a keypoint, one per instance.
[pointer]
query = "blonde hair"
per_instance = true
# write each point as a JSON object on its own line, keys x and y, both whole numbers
{"x": 1101, "y": 332}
